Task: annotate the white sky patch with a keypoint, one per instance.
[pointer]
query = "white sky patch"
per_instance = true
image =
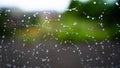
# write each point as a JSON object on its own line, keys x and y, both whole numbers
{"x": 84, "y": 1}
{"x": 110, "y": 1}
{"x": 37, "y": 5}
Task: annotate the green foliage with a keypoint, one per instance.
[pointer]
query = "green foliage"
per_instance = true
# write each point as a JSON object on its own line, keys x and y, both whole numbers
{"x": 76, "y": 29}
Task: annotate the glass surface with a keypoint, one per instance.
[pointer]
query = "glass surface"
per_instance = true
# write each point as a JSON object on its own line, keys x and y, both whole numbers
{"x": 59, "y": 34}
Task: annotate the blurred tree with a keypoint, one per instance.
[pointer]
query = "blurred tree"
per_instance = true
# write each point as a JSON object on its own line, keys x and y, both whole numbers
{"x": 112, "y": 15}
{"x": 97, "y": 8}
{"x": 5, "y": 32}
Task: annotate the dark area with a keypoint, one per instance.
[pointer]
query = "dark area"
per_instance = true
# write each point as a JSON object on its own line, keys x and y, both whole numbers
{"x": 53, "y": 54}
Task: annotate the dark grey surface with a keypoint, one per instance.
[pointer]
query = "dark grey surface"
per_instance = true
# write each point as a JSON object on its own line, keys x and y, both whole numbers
{"x": 54, "y": 54}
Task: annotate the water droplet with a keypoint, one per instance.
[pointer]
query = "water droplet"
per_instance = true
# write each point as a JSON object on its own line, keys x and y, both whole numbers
{"x": 94, "y": 2}
{"x": 117, "y": 3}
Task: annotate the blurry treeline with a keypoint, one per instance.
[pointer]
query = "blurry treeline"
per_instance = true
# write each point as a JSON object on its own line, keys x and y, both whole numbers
{"x": 96, "y": 8}
{"x": 106, "y": 13}
{"x": 93, "y": 12}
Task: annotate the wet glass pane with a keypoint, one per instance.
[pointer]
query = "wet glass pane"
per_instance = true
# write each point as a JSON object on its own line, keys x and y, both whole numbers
{"x": 59, "y": 34}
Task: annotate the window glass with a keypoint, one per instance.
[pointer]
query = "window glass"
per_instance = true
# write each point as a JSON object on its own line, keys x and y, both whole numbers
{"x": 59, "y": 34}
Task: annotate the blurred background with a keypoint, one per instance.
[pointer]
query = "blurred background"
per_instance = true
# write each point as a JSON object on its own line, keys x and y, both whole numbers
{"x": 73, "y": 20}
{"x": 59, "y": 33}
